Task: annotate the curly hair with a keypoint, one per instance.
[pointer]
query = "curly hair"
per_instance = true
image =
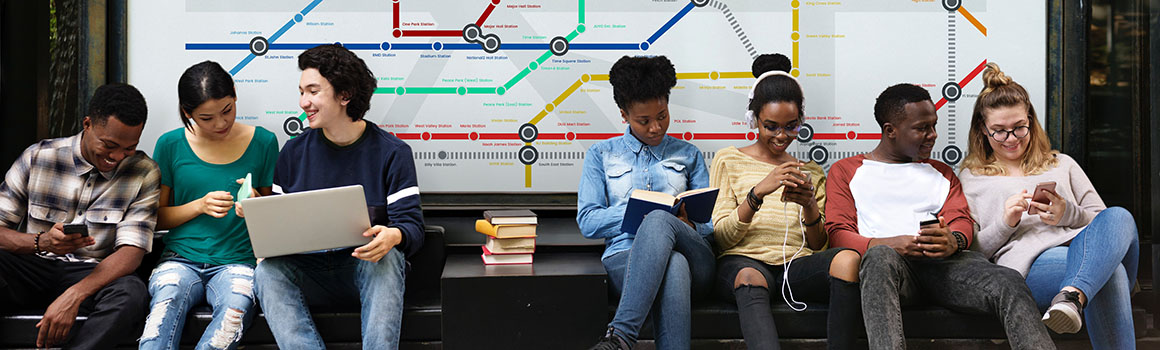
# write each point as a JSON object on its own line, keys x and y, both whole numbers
{"x": 640, "y": 79}
{"x": 776, "y": 88}
{"x": 999, "y": 90}
{"x": 891, "y": 103}
{"x": 202, "y": 82}
{"x": 345, "y": 71}
{"x": 122, "y": 101}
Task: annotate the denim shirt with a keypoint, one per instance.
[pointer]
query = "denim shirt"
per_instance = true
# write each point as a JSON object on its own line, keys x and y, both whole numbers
{"x": 615, "y": 167}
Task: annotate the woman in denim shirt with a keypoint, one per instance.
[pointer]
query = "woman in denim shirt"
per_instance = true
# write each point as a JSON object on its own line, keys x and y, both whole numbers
{"x": 669, "y": 261}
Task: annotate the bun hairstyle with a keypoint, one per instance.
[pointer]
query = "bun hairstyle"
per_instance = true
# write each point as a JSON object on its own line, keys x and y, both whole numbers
{"x": 641, "y": 79}
{"x": 1000, "y": 91}
{"x": 774, "y": 85}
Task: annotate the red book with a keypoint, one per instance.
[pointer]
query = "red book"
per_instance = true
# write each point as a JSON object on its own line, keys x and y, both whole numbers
{"x": 504, "y": 259}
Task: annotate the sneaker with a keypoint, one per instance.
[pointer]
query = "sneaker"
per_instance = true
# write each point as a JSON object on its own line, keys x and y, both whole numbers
{"x": 611, "y": 341}
{"x": 1065, "y": 314}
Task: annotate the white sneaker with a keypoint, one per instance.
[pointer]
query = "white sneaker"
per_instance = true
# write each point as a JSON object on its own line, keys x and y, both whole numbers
{"x": 1065, "y": 314}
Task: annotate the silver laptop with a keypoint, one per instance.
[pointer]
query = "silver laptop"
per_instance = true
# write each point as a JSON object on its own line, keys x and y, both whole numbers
{"x": 307, "y": 221}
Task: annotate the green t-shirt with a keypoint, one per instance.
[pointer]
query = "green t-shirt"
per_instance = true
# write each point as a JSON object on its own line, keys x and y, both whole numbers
{"x": 206, "y": 239}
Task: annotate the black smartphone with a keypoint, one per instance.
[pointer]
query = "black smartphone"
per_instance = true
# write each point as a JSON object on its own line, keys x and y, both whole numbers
{"x": 76, "y": 228}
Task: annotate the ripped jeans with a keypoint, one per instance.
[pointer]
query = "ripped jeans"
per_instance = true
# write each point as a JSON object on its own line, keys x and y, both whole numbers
{"x": 178, "y": 284}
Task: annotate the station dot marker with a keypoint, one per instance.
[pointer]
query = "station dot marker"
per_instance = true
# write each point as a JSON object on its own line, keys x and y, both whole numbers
{"x": 500, "y": 90}
{"x": 570, "y": 136}
{"x": 851, "y": 135}
{"x": 474, "y": 136}
{"x": 688, "y": 136}
{"x": 398, "y": 33}
{"x": 426, "y": 136}
{"x": 585, "y": 78}
{"x": 549, "y": 107}
{"x": 385, "y": 46}
{"x": 644, "y": 46}
{"x": 795, "y": 36}
{"x": 400, "y": 91}
{"x": 795, "y": 73}
{"x": 714, "y": 75}
{"x": 795, "y": 4}
{"x": 750, "y": 136}
{"x": 461, "y": 90}
{"x": 533, "y": 65}
{"x": 437, "y": 46}
{"x": 580, "y": 28}
{"x": 297, "y": 18}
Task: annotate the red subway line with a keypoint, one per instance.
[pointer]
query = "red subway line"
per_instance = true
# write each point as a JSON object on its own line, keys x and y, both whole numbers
{"x": 439, "y": 32}
{"x": 432, "y": 33}
{"x": 487, "y": 12}
{"x": 718, "y": 136}
{"x": 963, "y": 83}
{"x": 499, "y": 136}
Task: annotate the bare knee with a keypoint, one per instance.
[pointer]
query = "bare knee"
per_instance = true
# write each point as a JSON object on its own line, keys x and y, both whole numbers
{"x": 845, "y": 265}
{"x": 750, "y": 276}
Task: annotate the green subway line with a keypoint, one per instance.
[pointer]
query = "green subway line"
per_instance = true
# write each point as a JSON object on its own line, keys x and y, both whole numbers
{"x": 581, "y": 12}
{"x": 430, "y": 90}
{"x": 518, "y": 77}
{"x": 481, "y": 90}
{"x": 572, "y": 35}
{"x": 302, "y": 117}
{"x": 544, "y": 57}
{"x": 385, "y": 90}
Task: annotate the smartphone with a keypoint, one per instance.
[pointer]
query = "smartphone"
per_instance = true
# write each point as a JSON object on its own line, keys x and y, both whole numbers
{"x": 805, "y": 177}
{"x": 1040, "y": 195}
{"x": 76, "y": 228}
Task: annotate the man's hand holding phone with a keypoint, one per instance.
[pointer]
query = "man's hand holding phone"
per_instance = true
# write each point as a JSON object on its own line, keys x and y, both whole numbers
{"x": 936, "y": 240}
{"x": 57, "y": 241}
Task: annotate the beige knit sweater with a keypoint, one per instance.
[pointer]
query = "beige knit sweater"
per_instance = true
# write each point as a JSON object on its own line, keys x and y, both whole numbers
{"x": 735, "y": 173}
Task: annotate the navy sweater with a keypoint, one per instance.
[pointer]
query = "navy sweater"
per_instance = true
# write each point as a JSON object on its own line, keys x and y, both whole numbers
{"x": 378, "y": 161}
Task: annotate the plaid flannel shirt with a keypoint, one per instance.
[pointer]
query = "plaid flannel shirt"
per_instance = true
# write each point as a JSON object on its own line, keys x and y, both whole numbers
{"x": 52, "y": 183}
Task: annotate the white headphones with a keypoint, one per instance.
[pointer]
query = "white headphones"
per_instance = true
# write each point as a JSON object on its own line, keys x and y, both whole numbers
{"x": 750, "y": 118}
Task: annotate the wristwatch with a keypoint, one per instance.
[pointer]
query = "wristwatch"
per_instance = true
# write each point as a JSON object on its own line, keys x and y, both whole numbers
{"x": 961, "y": 239}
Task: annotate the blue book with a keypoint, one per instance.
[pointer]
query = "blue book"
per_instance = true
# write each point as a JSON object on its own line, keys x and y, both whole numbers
{"x": 698, "y": 206}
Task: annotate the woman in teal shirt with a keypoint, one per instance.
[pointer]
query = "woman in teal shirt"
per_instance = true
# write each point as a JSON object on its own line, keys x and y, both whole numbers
{"x": 207, "y": 256}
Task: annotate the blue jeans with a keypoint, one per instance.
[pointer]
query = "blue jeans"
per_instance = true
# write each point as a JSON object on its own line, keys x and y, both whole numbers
{"x": 668, "y": 265}
{"x": 1101, "y": 261}
{"x": 178, "y": 284}
{"x": 289, "y": 285}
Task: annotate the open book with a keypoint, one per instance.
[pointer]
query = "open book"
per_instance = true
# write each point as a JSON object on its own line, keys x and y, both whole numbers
{"x": 698, "y": 205}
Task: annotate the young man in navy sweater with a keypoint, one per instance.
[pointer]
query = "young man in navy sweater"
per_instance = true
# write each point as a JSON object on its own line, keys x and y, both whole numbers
{"x": 341, "y": 149}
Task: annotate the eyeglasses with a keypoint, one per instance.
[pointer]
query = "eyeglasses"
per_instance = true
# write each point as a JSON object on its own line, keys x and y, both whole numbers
{"x": 1019, "y": 132}
{"x": 792, "y": 129}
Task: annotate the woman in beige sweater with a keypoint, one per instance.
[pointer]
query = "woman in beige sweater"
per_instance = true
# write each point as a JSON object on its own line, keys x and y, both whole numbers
{"x": 1069, "y": 245}
{"x": 768, "y": 217}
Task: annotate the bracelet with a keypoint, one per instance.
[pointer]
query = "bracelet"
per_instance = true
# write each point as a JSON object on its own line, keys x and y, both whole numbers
{"x": 753, "y": 200}
{"x": 818, "y": 220}
{"x": 36, "y": 243}
{"x": 960, "y": 239}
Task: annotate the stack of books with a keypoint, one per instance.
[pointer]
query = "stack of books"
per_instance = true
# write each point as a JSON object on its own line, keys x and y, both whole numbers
{"x": 511, "y": 236}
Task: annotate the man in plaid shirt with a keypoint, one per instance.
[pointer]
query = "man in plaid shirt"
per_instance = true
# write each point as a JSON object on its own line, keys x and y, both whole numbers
{"x": 98, "y": 179}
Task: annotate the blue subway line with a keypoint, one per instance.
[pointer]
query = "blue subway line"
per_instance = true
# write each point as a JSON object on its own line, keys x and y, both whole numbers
{"x": 671, "y": 22}
{"x": 243, "y": 63}
{"x": 281, "y": 31}
{"x": 272, "y": 38}
{"x": 428, "y": 46}
{"x": 310, "y": 7}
